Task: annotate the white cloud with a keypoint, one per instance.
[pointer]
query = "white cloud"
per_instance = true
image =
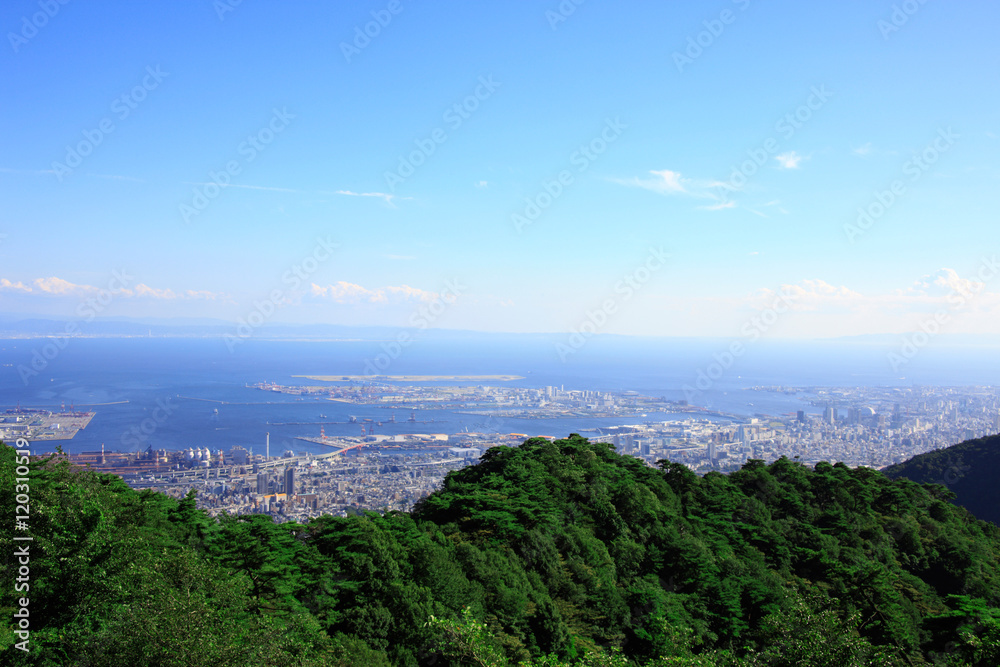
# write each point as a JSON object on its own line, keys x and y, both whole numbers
{"x": 942, "y": 283}
{"x": 204, "y": 294}
{"x": 58, "y": 287}
{"x": 665, "y": 182}
{"x": 344, "y": 292}
{"x": 789, "y": 160}
{"x": 381, "y": 195}
{"x": 943, "y": 289}
{"x": 807, "y": 295}
{"x": 8, "y": 286}
{"x": 142, "y": 290}
{"x": 720, "y": 206}
{"x": 668, "y": 182}
{"x": 863, "y": 150}
{"x": 245, "y": 187}
{"x": 482, "y": 184}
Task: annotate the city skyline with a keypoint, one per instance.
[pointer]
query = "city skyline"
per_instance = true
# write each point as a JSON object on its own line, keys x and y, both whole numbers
{"x": 653, "y": 170}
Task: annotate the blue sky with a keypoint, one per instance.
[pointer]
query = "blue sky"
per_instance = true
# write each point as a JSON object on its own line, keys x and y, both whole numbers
{"x": 669, "y": 125}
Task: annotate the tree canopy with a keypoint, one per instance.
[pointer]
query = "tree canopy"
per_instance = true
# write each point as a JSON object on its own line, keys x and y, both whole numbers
{"x": 550, "y": 553}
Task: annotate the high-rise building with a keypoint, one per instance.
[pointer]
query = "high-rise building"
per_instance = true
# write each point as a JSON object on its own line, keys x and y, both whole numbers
{"x": 830, "y": 414}
{"x": 712, "y": 453}
{"x": 261, "y": 484}
{"x": 290, "y": 481}
{"x": 801, "y": 416}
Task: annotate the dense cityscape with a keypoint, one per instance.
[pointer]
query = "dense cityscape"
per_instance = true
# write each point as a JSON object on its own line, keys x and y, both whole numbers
{"x": 860, "y": 426}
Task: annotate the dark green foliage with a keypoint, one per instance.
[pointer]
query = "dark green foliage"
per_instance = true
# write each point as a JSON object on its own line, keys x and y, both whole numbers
{"x": 969, "y": 470}
{"x": 558, "y": 549}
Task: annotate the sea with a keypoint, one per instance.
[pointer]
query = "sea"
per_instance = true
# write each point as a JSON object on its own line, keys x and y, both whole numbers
{"x": 201, "y": 385}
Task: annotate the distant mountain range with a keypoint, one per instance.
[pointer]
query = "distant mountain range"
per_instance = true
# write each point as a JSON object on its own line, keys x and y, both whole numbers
{"x": 969, "y": 469}
{"x": 16, "y": 326}
{"x": 12, "y": 326}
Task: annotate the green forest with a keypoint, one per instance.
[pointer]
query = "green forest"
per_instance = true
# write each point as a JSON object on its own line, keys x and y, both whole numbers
{"x": 968, "y": 469}
{"x": 547, "y": 554}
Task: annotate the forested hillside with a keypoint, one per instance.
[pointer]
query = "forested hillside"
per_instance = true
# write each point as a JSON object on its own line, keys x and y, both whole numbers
{"x": 551, "y": 553}
{"x": 969, "y": 469}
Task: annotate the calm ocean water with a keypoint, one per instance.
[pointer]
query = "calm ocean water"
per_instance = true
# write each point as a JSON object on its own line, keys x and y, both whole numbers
{"x": 147, "y": 372}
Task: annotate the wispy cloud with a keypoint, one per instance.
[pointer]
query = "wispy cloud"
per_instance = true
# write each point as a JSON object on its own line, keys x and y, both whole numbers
{"x": 399, "y": 257}
{"x": 482, "y": 184}
{"x": 115, "y": 177}
{"x": 248, "y": 187}
{"x": 863, "y": 150}
{"x": 670, "y": 183}
{"x": 665, "y": 182}
{"x": 777, "y": 204}
{"x": 720, "y": 206}
{"x": 31, "y": 172}
{"x": 381, "y": 195}
{"x": 789, "y": 160}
